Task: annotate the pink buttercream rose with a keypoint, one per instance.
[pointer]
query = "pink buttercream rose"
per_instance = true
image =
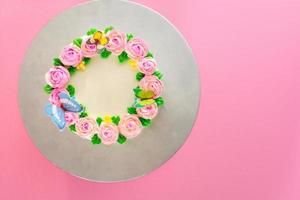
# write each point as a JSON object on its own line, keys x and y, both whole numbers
{"x": 88, "y": 49}
{"x": 150, "y": 82}
{"x": 117, "y": 42}
{"x": 57, "y": 77}
{"x": 71, "y": 117}
{"x": 147, "y": 66}
{"x": 136, "y": 49}
{"x": 130, "y": 126}
{"x": 54, "y": 98}
{"x": 148, "y": 111}
{"x": 71, "y": 55}
{"x": 108, "y": 133}
{"x": 86, "y": 127}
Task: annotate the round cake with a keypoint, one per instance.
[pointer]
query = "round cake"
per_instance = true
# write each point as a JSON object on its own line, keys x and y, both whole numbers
{"x": 65, "y": 110}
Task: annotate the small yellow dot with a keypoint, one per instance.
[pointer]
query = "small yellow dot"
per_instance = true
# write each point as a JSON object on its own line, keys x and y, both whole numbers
{"x": 81, "y": 66}
{"x": 133, "y": 64}
{"x": 107, "y": 119}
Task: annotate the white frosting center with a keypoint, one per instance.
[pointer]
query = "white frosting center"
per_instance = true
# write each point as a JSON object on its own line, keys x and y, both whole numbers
{"x": 105, "y": 86}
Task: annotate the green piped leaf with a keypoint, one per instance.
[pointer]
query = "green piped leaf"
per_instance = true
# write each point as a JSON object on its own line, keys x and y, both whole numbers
{"x": 105, "y": 53}
{"x": 121, "y": 139}
{"x": 71, "y": 90}
{"x": 139, "y": 76}
{"x": 107, "y": 29}
{"x": 131, "y": 110}
{"x": 115, "y": 120}
{"x": 83, "y": 114}
{"x": 158, "y": 74}
{"x": 48, "y": 89}
{"x": 86, "y": 60}
{"x": 91, "y": 31}
{"x": 72, "y": 128}
{"x": 129, "y": 37}
{"x": 77, "y": 42}
{"x": 99, "y": 120}
{"x": 96, "y": 139}
{"x": 57, "y": 62}
{"x": 72, "y": 70}
{"x": 149, "y": 55}
{"x": 145, "y": 122}
{"x": 137, "y": 90}
{"x": 123, "y": 57}
{"x": 159, "y": 101}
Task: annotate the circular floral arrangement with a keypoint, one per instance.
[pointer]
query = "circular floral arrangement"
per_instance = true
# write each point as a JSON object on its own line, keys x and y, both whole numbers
{"x": 65, "y": 111}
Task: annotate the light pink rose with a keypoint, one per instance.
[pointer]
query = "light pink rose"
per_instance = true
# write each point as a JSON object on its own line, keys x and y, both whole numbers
{"x": 71, "y": 117}
{"x": 108, "y": 133}
{"x": 148, "y": 112}
{"x": 88, "y": 50}
{"x": 86, "y": 127}
{"x": 117, "y": 42}
{"x": 54, "y": 98}
{"x": 130, "y": 126}
{"x": 150, "y": 82}
{"x": 136, "y": 49}
{"x": 71, "y": 55}
{"x": 57, "y": 77}
{"x": 147, "y": 66}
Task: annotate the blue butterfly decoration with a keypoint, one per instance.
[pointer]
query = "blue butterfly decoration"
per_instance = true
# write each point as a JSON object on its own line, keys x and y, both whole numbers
{"x": 57, "y": 114}
{"x": 69, "y": 104}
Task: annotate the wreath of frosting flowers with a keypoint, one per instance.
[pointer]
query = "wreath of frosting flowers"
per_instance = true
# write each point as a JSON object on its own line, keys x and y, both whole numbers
{"x": 65, "y": 111}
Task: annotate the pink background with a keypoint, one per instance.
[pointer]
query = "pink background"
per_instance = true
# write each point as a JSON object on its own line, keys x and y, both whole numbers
{"x": 245, "y": 144}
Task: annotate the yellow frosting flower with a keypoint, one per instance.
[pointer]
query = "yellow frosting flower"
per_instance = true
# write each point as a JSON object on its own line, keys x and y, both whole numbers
{"x": 99, "y": 36}
{"x": 103, "y": 40}
{"x": 133, "y": 64}
{"x": 107, "y": 119}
